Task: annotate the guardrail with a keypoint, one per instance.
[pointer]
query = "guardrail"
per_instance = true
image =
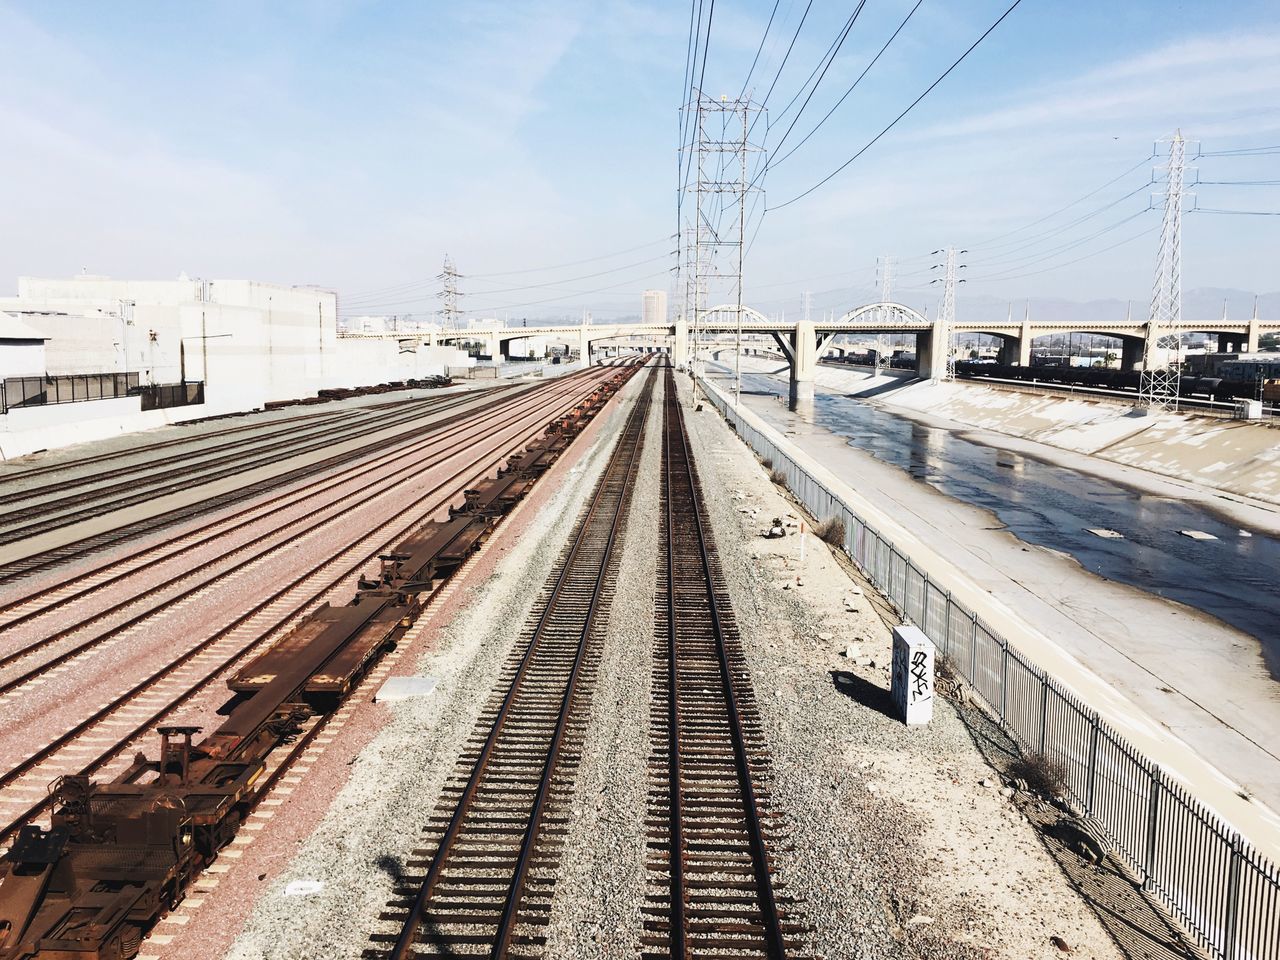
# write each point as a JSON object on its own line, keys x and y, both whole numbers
{"x": 1224, "y": 892}
{"x": 38, "y": 391}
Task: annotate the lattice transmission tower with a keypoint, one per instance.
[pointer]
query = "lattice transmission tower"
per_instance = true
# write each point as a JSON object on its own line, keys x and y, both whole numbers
{"x": 721, "y": 187}
{"x": 1161, "y": 379}
{"x": 451, "y": 313}
{"x": 946, "y": 334}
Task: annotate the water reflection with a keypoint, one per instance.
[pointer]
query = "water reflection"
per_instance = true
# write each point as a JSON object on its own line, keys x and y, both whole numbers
{"x": 1055, "y": 507}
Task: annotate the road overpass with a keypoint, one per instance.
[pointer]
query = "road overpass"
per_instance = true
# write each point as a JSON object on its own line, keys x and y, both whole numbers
{"x": 803, "y": 342}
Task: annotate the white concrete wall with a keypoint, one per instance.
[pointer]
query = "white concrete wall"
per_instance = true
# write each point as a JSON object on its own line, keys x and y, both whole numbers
{"x": 249, "y": 342}
{"x": 21, "y": 358}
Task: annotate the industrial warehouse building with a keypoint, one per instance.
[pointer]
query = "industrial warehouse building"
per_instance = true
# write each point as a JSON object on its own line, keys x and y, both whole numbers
{"x": 91, "y": 357}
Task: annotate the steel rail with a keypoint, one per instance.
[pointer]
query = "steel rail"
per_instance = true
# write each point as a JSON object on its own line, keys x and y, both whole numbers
{"x": 506, "y": 925}
{"x": 173, "y": 547}
{"x": 403, "y": 946}
{"x": 775, "y": 941}
{"x": 60, "y": 512}
{"x": 469, "y": 473}
{"x": 428, "y": 446}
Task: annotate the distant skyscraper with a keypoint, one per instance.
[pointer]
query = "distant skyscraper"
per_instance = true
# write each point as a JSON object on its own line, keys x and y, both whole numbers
{"x": 655, "y": 306}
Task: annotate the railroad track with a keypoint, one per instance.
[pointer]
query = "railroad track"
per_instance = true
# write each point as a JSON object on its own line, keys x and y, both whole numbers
{"x": 52, "y": 507}
{"x": 711, "y": 828}
{"x": 495, "y": 837}
{"x": 189, "y": 582}
{"x": 79, "y": 750}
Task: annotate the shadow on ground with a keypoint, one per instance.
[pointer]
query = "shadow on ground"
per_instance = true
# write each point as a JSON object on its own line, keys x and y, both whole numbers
{"x": 1138, "y": 926}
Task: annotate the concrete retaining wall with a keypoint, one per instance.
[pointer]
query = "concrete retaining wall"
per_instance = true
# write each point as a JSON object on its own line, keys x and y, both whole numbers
{"x": 826, "y": 495}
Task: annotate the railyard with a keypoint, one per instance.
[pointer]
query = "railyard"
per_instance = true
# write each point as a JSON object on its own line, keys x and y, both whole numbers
{"x": 652, "y": 730}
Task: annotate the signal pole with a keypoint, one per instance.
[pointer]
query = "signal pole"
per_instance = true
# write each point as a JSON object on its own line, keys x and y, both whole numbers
{"x": 1159, "y": 384}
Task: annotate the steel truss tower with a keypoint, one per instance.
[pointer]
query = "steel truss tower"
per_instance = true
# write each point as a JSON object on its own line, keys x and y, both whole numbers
{"x": 1161, "y": 379}
{"x": 449, "y": 294}
{"x": 945, "y": 337}
{"x": 721, "y": 188}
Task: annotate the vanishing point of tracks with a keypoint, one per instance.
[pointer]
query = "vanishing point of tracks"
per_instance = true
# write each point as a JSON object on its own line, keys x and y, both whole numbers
{"x": 497, "y": 835}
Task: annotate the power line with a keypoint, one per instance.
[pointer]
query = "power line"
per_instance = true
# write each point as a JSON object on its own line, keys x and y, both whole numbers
{"x": 1037, "y": 239}
{"x": 1059, "y": 266}
{"x": 1092, "y": 193}
{"x": 852, "y": 86}
{"x": 830, "y": 59}
{"x": 1237, "y": 183}
{"x": 1242, "y": 152}
{"x": 893, "y": 124}
{"x": 1042, "y": 257}
{"x": 381, "y": 292}
{"x": 533, "y": 286}
{"x": 1237, "y": 213}
{"x": 746, "y": 83}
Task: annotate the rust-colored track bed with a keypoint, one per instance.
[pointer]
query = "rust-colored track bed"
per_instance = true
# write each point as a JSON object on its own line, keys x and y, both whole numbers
{"x": 712, "y": 890}
{"x": 495, "y": 840}
{"x": 119, "y": 853}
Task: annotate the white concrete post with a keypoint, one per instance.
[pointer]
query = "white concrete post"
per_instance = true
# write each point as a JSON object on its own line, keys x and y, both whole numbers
{"x": 680, "y": 344}
{"x": 912, "y": 690}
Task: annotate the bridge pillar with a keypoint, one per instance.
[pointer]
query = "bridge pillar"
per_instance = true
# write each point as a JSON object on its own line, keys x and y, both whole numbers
{"x": 1024, "y": 341}
{"x": 680, "y": 344}
{"x": 1015, "y": 350}
{"x": 1131, "y": 353}
{"x": 1253, "y": 339}
{"x": 584, "y": 346}
{"x": 804, "y": 360}
{"x": 931, "y": 354}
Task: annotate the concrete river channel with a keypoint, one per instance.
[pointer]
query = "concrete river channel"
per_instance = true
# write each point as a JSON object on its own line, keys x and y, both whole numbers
{"x": 1233, "y": 578}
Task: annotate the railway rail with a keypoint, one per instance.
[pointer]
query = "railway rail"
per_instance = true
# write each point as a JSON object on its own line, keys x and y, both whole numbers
{"x": 178, "y": 678}
{"x": 117, "y": 855}
{"x": 32, "y": 512}
{"x": 82, "y": 547}
{"x": 711, "y": 827}
{"x": 386, "y": 474}
{"x": 495, "y": 837}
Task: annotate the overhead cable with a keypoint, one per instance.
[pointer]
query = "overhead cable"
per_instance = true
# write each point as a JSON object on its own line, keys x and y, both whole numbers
{"x": 899, "y": 117}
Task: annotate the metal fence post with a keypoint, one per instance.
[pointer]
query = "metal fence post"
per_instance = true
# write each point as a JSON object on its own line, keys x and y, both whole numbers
{"x": 973, "y": 650}
{"x": 924, "y": 603}
{"x": 1093, "y": 763}
{"x": 1231, "y": 934}
{"x": 1044, "y": 707}
{"x": 1004, "y": 680}
{"x": 1153, "y": 815}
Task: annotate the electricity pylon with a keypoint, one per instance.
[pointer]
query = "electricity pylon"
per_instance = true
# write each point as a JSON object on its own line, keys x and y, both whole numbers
{"x": 945, "y": 338}
{"x": 449, "y": 293}
{"x": 1161, "y": 381}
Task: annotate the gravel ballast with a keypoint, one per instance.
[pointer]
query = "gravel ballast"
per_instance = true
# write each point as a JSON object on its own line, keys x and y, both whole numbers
{"x": 900, "y": 842}
{"x": 375, "y": 822}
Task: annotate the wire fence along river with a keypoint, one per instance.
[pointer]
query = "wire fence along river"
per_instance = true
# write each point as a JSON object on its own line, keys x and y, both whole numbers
{"x": 1217, "y": 886}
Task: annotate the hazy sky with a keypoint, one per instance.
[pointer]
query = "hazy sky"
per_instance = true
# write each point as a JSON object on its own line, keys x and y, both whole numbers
{"x": 352, "y": 144}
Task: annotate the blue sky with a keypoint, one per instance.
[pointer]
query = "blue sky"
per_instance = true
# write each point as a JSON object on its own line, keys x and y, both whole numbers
{"x": 352, "y": 144}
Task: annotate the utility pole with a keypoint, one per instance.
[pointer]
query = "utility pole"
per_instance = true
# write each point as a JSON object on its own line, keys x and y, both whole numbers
{"x": 884, "y": 269}
{"x": 947, "y": 310}
{"x": 448, "y": 278}
{"x": 717, "y": 147}
{"x": 1160, "y": 383}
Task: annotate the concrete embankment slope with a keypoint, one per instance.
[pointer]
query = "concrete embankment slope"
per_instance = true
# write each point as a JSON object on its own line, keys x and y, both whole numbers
{"x": 1233, "y": 456}
{"x": 1256, "y": 822}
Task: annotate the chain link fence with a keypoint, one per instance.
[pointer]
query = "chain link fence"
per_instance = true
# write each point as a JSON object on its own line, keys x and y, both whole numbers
{"x": 1225, "y": 893}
